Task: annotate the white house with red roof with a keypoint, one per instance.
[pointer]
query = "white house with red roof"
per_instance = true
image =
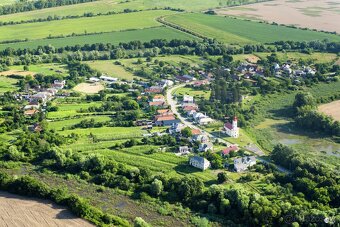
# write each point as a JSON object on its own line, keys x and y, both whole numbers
{"x": 231, "y": 129}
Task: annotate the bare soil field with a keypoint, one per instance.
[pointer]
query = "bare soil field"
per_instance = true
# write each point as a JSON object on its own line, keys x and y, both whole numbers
{"x": 331, "y": 109}
{"x": 17, "y": 210}
{"x": 17, "y": 72}
{"x": 313, "y": 14}
{"x": 89, "y": 88}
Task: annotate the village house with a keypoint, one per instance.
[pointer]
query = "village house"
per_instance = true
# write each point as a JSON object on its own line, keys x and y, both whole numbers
{"x": 30, "y": 113}
{"x": 164, "y": 112}
{"x": 184, "y": 150}
{"x": 59, "y": 84}
{"x": 166, "y": 120}
{"x": 188, "y": 99}
{"x": 41, "y": 97}
{"x": 204, "y": 147}
{"x": 196, "y": 132}
{"x": 205, "y": 121}
{"x": 241, "y": 164}
{"x": 158, "y": 98}
{"x": 94, "y": 79}
{"x": 166, "y": 83}
{"x": 199, "y": 162}
{"x": 229, "y": 149}
{"x": 157, "y": 104}
{"x": 231, "y": 129}
{"x": 35, "y": 128}
{"x": 200, "y": 138}
{"x": 31, "y": 107}
{"x": 176, "y": 128}
{"x": 108, "y": 79}
{"x": 153, "y": 90}
{"x": 185, "y": 78}
{"x": 200, "y": 83}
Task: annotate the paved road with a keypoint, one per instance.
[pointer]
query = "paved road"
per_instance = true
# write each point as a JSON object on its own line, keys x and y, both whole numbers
{"x": 173, "y": 105}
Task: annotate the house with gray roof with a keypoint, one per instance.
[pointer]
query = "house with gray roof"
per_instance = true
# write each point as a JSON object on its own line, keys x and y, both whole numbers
{"x": 204, "y": 147}
{"x": 199, "y": 162}
{"x": 241, "y": 164}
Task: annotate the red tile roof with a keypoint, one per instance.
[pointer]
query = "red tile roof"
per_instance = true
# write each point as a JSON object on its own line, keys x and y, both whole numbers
{"x": 195, "y": 131}
{"x": 228, "y": 125}
{"x": 229, "y": 149}
{"x": 165, "y": 118}
{"x": 159, "y": 103}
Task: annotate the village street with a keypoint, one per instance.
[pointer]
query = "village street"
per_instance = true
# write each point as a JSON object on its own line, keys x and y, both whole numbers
{"x": 173, "y": 105}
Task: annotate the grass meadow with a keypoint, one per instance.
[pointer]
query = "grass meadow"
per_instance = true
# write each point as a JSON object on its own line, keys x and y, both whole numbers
{"x": 197, "y": 94}
{"x": 47, "y": 69}
{"x": 234, "y": 31}
{"x": 107, "y": 23}
{"x": 109, "y": 68}
{"x": 7, "y": 84}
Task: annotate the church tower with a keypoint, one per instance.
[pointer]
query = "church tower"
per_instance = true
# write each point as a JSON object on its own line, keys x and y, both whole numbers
{"x": 235, "y": 123}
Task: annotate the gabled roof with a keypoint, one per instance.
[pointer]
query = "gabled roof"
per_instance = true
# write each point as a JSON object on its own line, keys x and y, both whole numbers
{"x": 158, "y": 103}
{"x": 229, "y": 149}
{"x": 228, "y": 125}
{"x": 165, "y": 118}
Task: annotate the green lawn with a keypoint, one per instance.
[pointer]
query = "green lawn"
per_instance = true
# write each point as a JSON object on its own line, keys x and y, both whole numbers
{"x": 97, "y": 24}
{"x": 47, "y": 69}
{"x": 7, "y": 84}
{"x": 143, "y": 35}
{"x": 197, "y": 94}
{"x": 59, "y": 124}
{"x": 70, "y": 110}
{"x": 109, "y": 68}
{"x": 7, "y": 2}
{"x": 237, "y": 31}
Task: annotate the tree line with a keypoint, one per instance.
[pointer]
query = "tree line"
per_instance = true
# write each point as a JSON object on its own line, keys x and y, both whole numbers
{"x": 24, "y": 6}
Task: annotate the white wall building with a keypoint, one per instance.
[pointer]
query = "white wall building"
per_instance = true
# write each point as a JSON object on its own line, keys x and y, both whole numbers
{"x": 231, "y": 129}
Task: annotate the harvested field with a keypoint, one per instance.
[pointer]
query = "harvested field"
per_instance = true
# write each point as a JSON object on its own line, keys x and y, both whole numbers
{"x": 17, "y": 210}
{"x": 89, "y": 88}
{"x": 17, "y": 72}
{"x": 331, "y": 109}
{"x": 313, "y": 14}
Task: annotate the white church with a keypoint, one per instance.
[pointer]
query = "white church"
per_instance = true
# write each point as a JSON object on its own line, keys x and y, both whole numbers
{"x": 231, "y": 129}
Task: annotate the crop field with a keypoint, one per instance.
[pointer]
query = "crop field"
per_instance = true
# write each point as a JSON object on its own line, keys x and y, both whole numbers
{"x": 7, "y": 84}
{"x": 236, "y": 31}
{"x": 321, "y": 15}
{"x": 115, "y": 38}
{"x": 96, "y": 24}
{"x": 17, "y": 210}
{"x": 110, "y": 69}
{"x": 331, "y": 109}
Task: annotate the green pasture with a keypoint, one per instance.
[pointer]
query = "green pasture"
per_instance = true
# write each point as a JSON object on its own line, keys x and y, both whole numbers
{"x": 143, "y": 35}
{"x": 235, "y": 31}
{"x": 60, "y": 124}
{"x": 70, "y": 110}
{"x": 7, "y": 84}
{"x": 109, "y": 68}
{"x": 7, "y": 2}
{"x": 47, "y": 69}
{"x": 96, "y": 24}
{"x": 197, "y": 94}
{"x": 295, "y": 56}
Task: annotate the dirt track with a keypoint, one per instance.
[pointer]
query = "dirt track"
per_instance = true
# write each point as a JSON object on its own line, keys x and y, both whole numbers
{"x": 22, "y": 211}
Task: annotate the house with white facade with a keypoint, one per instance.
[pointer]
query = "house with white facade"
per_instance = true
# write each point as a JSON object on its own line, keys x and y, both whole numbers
{"x": 199, "y": 162}
{"x": 241, "y": 164}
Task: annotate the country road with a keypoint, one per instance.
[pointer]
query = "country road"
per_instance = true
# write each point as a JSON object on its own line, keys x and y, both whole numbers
{"x": 173, "y": 106}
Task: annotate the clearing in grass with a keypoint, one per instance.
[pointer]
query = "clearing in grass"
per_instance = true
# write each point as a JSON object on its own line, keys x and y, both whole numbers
{"x": 89, "y": 88}
{"x": 331, "y": 109}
